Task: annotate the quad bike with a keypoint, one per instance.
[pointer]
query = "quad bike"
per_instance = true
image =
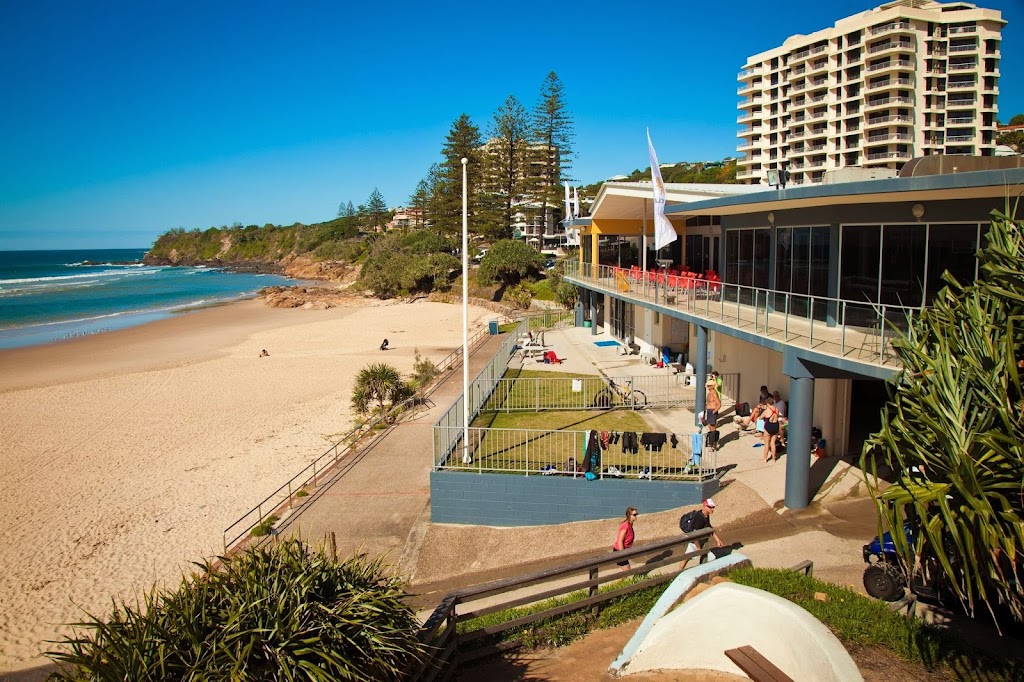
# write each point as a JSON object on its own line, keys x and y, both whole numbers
{"x": 887, "y": 577}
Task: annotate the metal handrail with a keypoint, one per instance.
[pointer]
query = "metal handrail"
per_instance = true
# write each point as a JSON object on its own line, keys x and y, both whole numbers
{"x": 315, "y": 469}
{"x": 753, "y": 308}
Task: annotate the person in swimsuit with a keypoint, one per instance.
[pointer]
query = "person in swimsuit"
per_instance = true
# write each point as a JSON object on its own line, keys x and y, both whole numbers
{"x": 771, "y": 429}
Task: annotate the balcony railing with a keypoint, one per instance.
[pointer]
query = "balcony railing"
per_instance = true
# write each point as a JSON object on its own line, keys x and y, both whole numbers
{"x": 963, "y": 48}
{"x": 895, "y": 118}
{"x": 961, "y": 102}
{"x": 892, "y": 26}
{"x": 888, "y": 155}
{"x": 901, "y": 45}
{"x": 965, "y": 66}
{"x": 895, "y": 137}
{"x": 901, "y": 64}
{"x": 858, "y": 331}
{"x": 960, "y": 120}
{"x": 962, "y": 29}
{"x": 960, "y": 85}
{"x": 960, "y": 138}
{"x": 896, "y": 99}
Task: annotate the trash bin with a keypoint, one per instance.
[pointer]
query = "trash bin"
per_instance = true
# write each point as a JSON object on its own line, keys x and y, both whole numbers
{"x": 492, "y": 327}
{"x": 586, "y": 323}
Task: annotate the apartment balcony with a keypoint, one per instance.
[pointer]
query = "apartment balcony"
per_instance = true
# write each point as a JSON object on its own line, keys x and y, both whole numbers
{"x": 963, "y": 66}
{"x": 814, "y": 68}
{"x": 938, "y": 52}
{"x": 818, "y": 115}
{"x": 892, "y": 64}
{"x": 797, "y": 87}
{"x": 973, "y": 47}
{"x": 805, "y": 53}
{"x": 753, "y": 101}
{"x": 966, "y": 102}
{"x": 934, "y": 105}
{"x": 797, "y": 165}
{"x": 798, "y": 71}
{"x": 749, "y": 87}
{"x": 799, "y": 118}
{"x": 747, "y": 132}
{"x": 950, "y": 139}
{"x": 820, "y": 82}
{"x": 747, "y": 175}
{"x": 891, "y": 83}
{"x": 890, "y": 137}
{"x": 750, "y": 72}
{"x": 961, "y": 85}
{"x": 751, "y": 116}
{"x": 748, "y": 146}
{"x": 809, "y": 149}
{"x": 900, "y": 46}
{"x": 937, "y": 69}
{"x": 960, "y": 30}
{"x": 886, "y": 120}
{"x": 813, "y": 164}
{"x": 887, "y": 157}
{"x": 889, "y": 101}
{"x": 891, "y": 26}
{"x": 960, "y": 120}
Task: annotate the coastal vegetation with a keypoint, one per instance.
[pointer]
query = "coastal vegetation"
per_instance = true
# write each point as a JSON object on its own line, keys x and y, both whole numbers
{"x": 380, "y": 384}
{"x": 278, "y": 612}
{"x": 952, "y": 433}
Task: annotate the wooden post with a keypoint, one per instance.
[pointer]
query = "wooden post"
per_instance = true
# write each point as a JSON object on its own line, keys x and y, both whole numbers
{"x": 334, "y": 546}
{"x": 596, "y": 608}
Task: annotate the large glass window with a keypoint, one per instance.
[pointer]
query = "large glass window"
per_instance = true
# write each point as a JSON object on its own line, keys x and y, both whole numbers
{"x": 953, "y": 248}
{"x": 801, "y": 269}
{"x": 820, "y": 237}
{"x": 732, "y": 255}
{"x": 745, "y": 271}
{"x": 859, "y": 264}
{"x": 762, "y": 258}
{"x": 903, "y": 249}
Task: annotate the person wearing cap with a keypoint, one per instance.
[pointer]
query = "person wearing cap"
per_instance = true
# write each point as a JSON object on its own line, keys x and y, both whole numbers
{"x": 700, "y": 522}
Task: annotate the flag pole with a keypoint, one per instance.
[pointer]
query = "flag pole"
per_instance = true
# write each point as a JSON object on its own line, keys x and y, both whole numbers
{"x": 466, "y": 459}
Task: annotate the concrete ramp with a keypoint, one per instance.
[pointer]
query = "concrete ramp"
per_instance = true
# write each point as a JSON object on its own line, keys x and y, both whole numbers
{"x": 726, "y": 616}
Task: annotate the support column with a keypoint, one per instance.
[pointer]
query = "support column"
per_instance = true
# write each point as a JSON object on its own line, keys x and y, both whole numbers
{"x": 832, "y": 319}
{"x": 593, "y": 313}
{"x": 798, "y": 441}
{"x": 700, "y": 368}
{"x": 595, "y": 253}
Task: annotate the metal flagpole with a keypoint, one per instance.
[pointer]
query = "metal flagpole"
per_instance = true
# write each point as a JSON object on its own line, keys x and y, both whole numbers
{"x": 466, "y": 459}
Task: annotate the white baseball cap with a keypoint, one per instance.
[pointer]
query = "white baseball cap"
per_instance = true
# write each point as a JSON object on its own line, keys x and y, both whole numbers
{"x": 709, "y": 503}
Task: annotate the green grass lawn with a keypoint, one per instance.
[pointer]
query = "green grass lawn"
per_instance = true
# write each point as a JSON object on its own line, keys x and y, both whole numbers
{"x": 532, "y": 389}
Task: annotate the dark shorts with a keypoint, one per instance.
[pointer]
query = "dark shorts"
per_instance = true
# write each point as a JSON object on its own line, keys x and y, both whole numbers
{"x": 711, "y": 417}
{"x": 624, "y": 562}
{"x": 771, "y": 428}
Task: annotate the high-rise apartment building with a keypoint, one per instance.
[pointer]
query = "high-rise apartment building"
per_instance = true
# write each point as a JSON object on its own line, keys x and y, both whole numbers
{"x": 905, "y": 79}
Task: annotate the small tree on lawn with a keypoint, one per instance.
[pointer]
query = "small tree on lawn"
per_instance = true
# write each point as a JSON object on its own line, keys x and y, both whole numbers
{"x": 952, "y": 431}
{"x": 379, "y": 383}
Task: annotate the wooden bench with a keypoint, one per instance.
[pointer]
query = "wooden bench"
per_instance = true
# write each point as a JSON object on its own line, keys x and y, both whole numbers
{"x": 756, "y": 666}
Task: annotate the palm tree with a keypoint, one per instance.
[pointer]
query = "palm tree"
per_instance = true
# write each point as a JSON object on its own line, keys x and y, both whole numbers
{"x": 952, "y": 431}
{"x": 380, "y": 383}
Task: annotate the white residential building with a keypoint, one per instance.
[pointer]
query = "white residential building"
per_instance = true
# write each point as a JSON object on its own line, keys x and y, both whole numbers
{"x": 905, "y": 79}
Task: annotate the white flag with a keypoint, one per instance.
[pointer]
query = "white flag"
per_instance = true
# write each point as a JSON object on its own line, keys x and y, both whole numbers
{"x": 568, "y": 204}
{"x": 664, "y": 233}
{"x": 575, "y": 203}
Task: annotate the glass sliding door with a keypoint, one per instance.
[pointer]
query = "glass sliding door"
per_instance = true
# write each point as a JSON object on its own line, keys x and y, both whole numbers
{"x": 903, "y": 250}
{"x": 799, "y": 304}
{"x": 859, "y": 270}
{"x": 818, "y": 283}
{"x": 950, "y": 247}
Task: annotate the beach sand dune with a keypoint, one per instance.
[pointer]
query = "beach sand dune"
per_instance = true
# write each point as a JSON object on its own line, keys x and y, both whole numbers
{"x": 125, "y": 456}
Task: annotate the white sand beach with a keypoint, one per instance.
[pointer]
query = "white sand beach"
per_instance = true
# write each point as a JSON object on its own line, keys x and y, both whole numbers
{"x": 125, "y": 455}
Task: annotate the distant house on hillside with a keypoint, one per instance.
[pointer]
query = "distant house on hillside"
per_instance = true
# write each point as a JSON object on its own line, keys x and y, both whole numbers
{"x": 403, "y": 217}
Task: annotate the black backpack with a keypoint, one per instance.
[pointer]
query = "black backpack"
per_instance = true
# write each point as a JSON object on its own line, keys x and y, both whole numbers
{"x": 687, "y": 519}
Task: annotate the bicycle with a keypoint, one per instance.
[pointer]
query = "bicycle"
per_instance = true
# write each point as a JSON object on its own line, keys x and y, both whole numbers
{"x": 614, "y": 395}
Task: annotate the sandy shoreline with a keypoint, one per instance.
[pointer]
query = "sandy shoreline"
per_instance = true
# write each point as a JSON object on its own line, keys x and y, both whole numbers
{"x": 125, "y": 455}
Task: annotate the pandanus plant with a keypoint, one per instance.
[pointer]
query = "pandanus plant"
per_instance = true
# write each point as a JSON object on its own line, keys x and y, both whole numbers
{"x": 953, "y": 428}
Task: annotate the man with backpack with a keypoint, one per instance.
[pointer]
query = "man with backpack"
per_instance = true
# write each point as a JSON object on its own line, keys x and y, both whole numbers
{"x": 698, "y": 519}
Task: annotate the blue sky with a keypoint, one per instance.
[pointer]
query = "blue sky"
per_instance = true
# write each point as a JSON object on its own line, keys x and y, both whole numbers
{"x": 124, "y": 119}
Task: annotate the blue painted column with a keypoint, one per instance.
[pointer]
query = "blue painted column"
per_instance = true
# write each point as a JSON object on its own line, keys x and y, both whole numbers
{"x": 798, "y": 441}
{"x": 700, "y": 368}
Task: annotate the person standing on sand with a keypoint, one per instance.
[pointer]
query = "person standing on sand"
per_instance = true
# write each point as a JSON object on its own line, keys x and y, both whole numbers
{"x": 624, "y": 540}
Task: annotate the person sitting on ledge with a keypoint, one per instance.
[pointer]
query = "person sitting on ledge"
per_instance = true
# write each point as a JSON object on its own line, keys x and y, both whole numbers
{"x": 384, "y": 344}
{"x": 264, "y": 353}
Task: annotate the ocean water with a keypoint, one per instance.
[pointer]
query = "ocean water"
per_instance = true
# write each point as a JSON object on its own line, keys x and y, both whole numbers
{"x": 48, "y": 296}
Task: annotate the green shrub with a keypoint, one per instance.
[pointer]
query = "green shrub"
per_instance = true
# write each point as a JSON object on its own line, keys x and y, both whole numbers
{"x": 280, "y": 612}
{"x": 519, "y": 296}
{"x": 542, "y": 290}
{"x": 265, "y": 527}
{"x": 423, "y": 369}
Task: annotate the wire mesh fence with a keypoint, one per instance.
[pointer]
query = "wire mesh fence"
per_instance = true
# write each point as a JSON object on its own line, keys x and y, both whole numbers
{"x": 618, "y": 454}
{"x": 532, "y": 394}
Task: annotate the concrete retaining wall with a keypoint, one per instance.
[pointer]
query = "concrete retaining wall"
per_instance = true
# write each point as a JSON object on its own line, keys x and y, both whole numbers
{"x": 510, "y": 500}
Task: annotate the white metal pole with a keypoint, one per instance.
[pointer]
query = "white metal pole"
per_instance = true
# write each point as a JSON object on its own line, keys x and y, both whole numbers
{"x": 466, "y": 459}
